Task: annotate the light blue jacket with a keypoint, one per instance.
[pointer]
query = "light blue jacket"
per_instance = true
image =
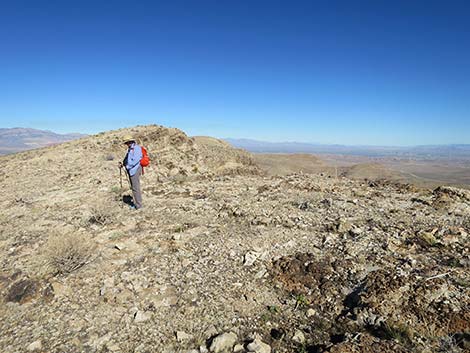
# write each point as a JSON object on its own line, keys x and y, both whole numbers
{"x": 132, "y": 159}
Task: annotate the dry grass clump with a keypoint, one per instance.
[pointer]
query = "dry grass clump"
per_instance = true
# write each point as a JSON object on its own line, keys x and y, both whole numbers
{"x": 67, "y": 253}
{"x": 99, "y": 216}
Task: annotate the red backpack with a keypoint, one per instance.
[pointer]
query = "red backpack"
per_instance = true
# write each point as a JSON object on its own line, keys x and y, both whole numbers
{"x": 145, "y": 161}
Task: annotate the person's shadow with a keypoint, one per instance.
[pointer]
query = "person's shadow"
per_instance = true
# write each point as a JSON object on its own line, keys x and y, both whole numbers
{"x": 127, "y": 199}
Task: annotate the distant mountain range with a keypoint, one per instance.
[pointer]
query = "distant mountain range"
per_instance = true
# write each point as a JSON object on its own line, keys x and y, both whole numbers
{"x": 428, "y": 151}
{"x": 21, "y": 139}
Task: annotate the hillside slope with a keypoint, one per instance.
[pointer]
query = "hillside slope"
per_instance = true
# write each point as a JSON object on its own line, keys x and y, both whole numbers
{"x": 283, "y": 164}
{"x": 222, "y": 258}
{"x": 91, "y": 163}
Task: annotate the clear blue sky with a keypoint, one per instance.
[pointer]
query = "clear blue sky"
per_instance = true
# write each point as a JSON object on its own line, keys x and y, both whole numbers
{"x": 375, "y": 72}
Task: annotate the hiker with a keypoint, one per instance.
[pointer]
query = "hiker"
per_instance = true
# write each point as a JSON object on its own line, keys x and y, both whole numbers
{"x": 134, "y": 169}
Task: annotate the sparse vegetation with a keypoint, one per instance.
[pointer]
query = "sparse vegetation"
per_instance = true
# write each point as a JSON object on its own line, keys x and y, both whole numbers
{"x": 99, "y": 216}
{"x": 428, "y": 239}
{"x": 397, "y": 331}
{"x": 67, "y": 253}
{"x": 180, "y": 228}
{"x": 116, "y": 190}
{"x": 116, "y": 236}
{"x": 448, "y": 344}
{"x": 270, "y": 313}
{"x": 180, "y": 178}
{"x": 300, "y": 301}
{"x": 269, "y": 256}
{"x": 273, "y": 309}
{"x": 462, "y": 283}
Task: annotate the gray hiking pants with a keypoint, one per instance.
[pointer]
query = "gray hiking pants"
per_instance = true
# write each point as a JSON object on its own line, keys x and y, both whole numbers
{"x": 135, "y": 185}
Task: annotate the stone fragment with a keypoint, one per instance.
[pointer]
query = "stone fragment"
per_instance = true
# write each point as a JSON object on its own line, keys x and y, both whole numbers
{"x": 113, "y": 347}
{"x": 119, "y": 246}
{"x": 141, "y": 316}
{"x": 211, "y": 331}
{"x": 343, "y": 226}
{"x": 311, "y": 312}
{"x": 250, "y": 258}
{"x": 238, "y": 348}
{"x": 299, "y": 337}
{"x": 35, "y": 346}
{"x": 60, "y": 289}
{"x": 450, "y": 239}
{"x": 223, "y": 342}
{"x": 108, "y": 283}
{"x": 182, "y": 336}
{"x": 356, "y": 231}
{"x": 261, "y": 273}
{"x": 258, "y": 346}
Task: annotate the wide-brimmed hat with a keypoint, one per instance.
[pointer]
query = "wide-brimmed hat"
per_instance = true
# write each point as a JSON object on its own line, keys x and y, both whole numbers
{"x": 128, "y": 138}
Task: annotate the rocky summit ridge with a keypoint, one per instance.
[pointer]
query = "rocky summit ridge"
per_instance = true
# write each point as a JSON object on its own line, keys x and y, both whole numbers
{"x": 223, "y": 258}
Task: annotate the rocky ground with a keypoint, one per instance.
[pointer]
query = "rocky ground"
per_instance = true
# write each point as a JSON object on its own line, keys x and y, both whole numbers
{"x": 222, "y": 258}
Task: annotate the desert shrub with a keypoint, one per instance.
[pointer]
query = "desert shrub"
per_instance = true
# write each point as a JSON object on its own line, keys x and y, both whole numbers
{"x": 180, "y": 178}
{"x": 116, "y": 190}
{"x": 67, "y": 253}
{"x": 448, "y": 344}
{"x": 180, "y": 228}
{"x": 398, "y": 331}
{"x": 99, "y": 216}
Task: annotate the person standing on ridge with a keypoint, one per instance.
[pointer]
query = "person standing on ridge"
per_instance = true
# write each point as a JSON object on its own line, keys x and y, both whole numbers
{"x": 132, "y": 164}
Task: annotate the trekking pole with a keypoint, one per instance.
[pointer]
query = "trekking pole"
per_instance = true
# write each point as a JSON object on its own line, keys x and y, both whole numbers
{"x": 129, "y": 180}
{"x": 120, "y": 179}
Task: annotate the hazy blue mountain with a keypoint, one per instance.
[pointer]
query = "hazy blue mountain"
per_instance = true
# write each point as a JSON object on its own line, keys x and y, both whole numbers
{"x": 425, "y": 151}
{"x": 21, "y": 139}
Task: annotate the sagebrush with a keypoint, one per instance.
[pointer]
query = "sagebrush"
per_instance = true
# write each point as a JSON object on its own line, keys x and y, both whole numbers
{"x": 67, "y": 253}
